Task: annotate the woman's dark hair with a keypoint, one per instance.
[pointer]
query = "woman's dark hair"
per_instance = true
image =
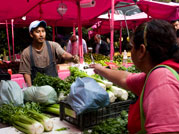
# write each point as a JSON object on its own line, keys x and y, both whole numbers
{"x": 160, "y": 40}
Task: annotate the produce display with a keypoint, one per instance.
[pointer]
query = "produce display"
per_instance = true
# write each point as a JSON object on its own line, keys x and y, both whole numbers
{"x": 101, "y": 59}
{"x": 111, "y": 126}
{"x": 29, "y": 118}
{"x": 131, "y": 69}
{"x": 62, "y": 87}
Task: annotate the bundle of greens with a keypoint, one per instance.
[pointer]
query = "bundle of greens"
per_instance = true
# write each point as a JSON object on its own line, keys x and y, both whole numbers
{"x": 98, "y": 58}
{"x": 131, "y": 69}
{"x": 111, "y": 126}
{"x": 26, "y": 118}
{"x": 55, "y": 82}
{"x": 52, "y": 109}
{"x": 75, "y": 72}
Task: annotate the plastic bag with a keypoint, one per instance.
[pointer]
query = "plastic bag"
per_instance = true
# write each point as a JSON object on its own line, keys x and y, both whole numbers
{"x": 42, "y": 94}
{"x": 87, "y": 95}
{"x": 10, "y": 92}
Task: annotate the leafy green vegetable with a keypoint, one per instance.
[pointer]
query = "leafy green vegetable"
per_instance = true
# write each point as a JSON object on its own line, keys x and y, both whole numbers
{"x": 131, "y": 69}
{"x": 18, "y": 116}
{"x": 55, "y": 82}
{"x": 62, "y": 129}
{"x": 53, "y": 109}
{"x": 111, "y": 126}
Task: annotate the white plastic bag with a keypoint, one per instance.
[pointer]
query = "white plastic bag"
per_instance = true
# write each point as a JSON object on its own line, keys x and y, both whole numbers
{"x": 10, "y": 92}
{"x": 42, "y": 94}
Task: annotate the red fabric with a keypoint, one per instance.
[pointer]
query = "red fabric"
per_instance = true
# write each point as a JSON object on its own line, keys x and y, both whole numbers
{"x": 74, "y": 48}
{"x": 47, "y": 10}
{"x": 160, "y": 10}
{"x": 134, "y": 117}
{"x": 134, "y": 123}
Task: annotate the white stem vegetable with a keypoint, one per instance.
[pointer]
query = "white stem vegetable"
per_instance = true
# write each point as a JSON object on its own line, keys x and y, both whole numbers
{"x": 102, "y": 85}
{"x": 124, "y": 95}
{"x": 28, "y": 125}
{"x": 112, "y": 97}
{"x": 119, "y": 92}
{"x": 107, "y": 83}
{"x": 44, "y": 120}
{"x": 61, "y": 96}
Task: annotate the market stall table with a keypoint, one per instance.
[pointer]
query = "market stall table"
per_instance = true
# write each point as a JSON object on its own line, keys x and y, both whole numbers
{"x": 57, "y": 125}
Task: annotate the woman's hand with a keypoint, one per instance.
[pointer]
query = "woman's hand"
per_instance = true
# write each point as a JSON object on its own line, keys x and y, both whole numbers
{"x": 96, "y": 67}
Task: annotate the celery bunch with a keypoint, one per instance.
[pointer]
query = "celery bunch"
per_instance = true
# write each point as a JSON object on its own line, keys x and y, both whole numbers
{"x": 25, "y": 118}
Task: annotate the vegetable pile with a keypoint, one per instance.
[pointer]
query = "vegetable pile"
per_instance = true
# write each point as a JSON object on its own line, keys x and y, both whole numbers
{"x": 111, "y": 126}
{"x": 59, "y": 85}
{"x": 27, "y": 118}
{"x": 62, "y": 87}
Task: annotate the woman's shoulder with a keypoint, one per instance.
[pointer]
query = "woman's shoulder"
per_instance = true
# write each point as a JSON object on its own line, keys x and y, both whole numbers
{"x": 162, "y": 76}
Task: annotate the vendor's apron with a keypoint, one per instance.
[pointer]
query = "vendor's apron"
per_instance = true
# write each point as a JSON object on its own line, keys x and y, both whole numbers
{"x": 136, "y": 117}
{"x": 48, "y": 70}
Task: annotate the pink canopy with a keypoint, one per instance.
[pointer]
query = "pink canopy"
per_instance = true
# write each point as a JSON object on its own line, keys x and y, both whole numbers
{"x": 47, "y": 10}
{"x": 55, "y": 12}
{"x": 160, "y": 10}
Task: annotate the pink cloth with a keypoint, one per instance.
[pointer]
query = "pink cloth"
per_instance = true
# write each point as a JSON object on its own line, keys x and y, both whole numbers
{"x": 161, "y": 100}
{"x": 63, "y": 74}
{"x": 74, "y": 48}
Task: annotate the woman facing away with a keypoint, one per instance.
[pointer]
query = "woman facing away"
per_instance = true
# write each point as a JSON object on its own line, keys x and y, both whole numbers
{"x": 156, "y": 53}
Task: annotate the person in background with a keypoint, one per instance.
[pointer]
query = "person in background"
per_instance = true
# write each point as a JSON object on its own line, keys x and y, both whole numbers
{"x": 175, "y": 24}
{"x": 178, "y": 36}
{"x": 108, "y": 41}
{"x": 41, "y": 55}
{"x": 101, "y": 46}
{"x": 73, "y": 44}
{"x": 156, "y": 110}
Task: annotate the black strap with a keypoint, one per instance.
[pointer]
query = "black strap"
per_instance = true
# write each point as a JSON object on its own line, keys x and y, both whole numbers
{"x": 31, "y": 57}
{"x": 49, "y": 53}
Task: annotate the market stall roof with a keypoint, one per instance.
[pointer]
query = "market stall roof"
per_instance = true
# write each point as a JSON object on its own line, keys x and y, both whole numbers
{"x": 103, "y": 26}
{"x": 47, "y": 10}
{"x": 160, "y": 10}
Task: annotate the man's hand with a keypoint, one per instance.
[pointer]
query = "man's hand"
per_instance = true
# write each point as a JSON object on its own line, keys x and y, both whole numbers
{"x": 76, "y": 59}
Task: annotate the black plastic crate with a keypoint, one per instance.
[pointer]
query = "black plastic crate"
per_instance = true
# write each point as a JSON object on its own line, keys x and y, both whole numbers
{"x": 89, "y": 119}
